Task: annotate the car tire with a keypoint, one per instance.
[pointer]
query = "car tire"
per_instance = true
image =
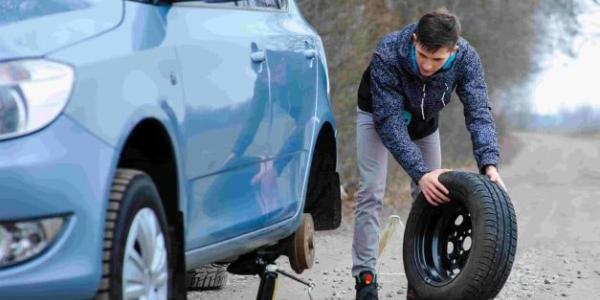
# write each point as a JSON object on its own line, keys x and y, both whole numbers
{"x": 463, "y": 249}
{"x": 209, "y": 277}
{"x": 137, "y": 252}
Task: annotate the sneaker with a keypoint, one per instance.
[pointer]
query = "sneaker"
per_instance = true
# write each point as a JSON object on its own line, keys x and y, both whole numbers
{"x": 366, "y": 286}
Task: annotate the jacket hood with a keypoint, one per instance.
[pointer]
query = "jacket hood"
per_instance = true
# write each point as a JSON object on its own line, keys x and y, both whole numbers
{"x": 406, "y": 43}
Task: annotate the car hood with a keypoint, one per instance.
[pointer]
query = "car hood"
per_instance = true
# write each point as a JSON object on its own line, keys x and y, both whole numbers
{"x": 33, "y": 28}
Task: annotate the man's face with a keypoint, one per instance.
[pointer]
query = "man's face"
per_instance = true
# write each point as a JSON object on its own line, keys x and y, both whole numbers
{"x": 431, "y": 62}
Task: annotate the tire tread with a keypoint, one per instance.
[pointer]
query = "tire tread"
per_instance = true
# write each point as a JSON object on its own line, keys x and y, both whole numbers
{"x": 122, "y": 179}
{"x": 208, "y": 277}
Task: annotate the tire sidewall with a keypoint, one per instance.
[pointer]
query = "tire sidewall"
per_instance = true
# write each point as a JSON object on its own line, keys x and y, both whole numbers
{"x": 140, "y": 193}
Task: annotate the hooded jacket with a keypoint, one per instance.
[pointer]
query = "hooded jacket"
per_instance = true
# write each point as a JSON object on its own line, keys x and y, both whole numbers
{"x": 405, "y": 105}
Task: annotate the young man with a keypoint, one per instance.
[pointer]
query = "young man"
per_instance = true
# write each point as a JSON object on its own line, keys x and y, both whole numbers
{"x": 409, "y": 81}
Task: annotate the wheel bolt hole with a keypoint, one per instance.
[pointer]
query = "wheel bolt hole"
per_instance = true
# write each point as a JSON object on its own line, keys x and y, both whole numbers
{"x": 450, "y": 247}
{"x": 458, "y": 220}
{"x": 467, "y": 243}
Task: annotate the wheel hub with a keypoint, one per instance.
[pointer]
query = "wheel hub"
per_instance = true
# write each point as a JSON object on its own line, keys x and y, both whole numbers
{"x": 444, "y": 242}
{"x": 302, "y": 249}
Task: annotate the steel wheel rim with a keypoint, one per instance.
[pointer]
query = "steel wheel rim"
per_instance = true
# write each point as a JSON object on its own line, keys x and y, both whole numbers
{"x": 444, "y": 243}
{"x": 145, "y": 272}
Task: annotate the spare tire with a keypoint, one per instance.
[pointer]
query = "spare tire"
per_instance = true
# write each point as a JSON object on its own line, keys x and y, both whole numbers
{"x": 463, "y": 249}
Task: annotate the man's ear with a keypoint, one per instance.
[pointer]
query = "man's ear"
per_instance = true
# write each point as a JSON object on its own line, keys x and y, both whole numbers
{"x": 414, "y": 37}
{"x": 455, "y": 48}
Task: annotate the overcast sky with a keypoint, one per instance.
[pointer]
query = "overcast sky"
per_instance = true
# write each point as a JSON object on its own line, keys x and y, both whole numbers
{"x": 569, "y": 82}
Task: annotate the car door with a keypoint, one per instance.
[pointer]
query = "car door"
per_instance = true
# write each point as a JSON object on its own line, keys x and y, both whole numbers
{"x": 221, "y": 47}
{"x": 292, "y": 64}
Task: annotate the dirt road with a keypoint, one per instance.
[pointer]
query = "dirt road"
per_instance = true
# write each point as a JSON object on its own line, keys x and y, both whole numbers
{"x": 554, "y": 182}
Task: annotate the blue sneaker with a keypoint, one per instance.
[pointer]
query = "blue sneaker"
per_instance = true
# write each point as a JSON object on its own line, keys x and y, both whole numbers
{"x": 366, "y": 286}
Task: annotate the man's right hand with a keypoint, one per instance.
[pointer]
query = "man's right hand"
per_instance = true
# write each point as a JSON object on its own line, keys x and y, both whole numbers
{"x": 434, "y": 191}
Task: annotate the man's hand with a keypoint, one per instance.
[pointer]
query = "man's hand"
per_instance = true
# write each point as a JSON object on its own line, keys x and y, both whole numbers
{"x": 492, "y": 173}
{"x": 435, "y": 192}
{"x": 266, "y": 173}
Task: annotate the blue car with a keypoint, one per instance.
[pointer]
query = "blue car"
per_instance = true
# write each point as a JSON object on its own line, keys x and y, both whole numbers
{"x": 143, "y": 139}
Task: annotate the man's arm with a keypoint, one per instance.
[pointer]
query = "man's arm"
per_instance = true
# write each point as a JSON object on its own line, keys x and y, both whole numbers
{"x": 472, "y": 92}
{"x": 387, "y": 115}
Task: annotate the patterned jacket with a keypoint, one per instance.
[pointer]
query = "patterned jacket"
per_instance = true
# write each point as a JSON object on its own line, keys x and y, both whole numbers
{"x": 397, "y": 87}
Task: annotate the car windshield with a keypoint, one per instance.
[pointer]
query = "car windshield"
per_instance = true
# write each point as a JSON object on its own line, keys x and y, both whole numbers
{"x": 19, "y": 10}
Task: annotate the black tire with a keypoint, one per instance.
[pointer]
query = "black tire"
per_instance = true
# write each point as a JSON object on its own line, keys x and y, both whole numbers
{"x": 131, "y": 191}
{"x": 480, "y": 212}
{"x": 209, "y": 277}
{"x": 323, "y": 199}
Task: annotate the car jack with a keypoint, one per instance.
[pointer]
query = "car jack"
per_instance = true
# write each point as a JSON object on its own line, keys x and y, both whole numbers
{"x": 299, "y": 248}
{"x": 268, "y": 283}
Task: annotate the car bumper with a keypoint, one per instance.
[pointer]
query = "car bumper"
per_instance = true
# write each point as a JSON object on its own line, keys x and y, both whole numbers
{"x": 62, "y": 169}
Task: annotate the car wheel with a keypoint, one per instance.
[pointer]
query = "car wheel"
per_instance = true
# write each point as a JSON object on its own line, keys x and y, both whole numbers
{"x": 463, "y": 249}
{"x": 209, "y": 277}
{"x": 136, "y": 258}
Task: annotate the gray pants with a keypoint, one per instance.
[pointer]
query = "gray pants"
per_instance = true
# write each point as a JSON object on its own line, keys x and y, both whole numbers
{"x": 372, "y": 157}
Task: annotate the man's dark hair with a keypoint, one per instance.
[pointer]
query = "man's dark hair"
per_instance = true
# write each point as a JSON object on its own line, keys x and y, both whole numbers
{"x": 438, "y": 29}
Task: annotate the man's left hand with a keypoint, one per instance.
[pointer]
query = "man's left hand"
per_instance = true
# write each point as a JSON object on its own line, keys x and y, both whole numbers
{"x": 492, "y": 173}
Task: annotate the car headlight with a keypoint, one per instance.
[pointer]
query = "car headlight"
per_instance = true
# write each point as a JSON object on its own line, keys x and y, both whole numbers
{"x": 32, "y": 94}
{"x": 20, "y": 241}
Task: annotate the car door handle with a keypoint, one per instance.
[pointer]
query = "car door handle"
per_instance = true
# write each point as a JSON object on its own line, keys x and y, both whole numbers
{"x": 258, "y": 56}
{"x": 310, "y": 53}
{"x": 309, "y": 50}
